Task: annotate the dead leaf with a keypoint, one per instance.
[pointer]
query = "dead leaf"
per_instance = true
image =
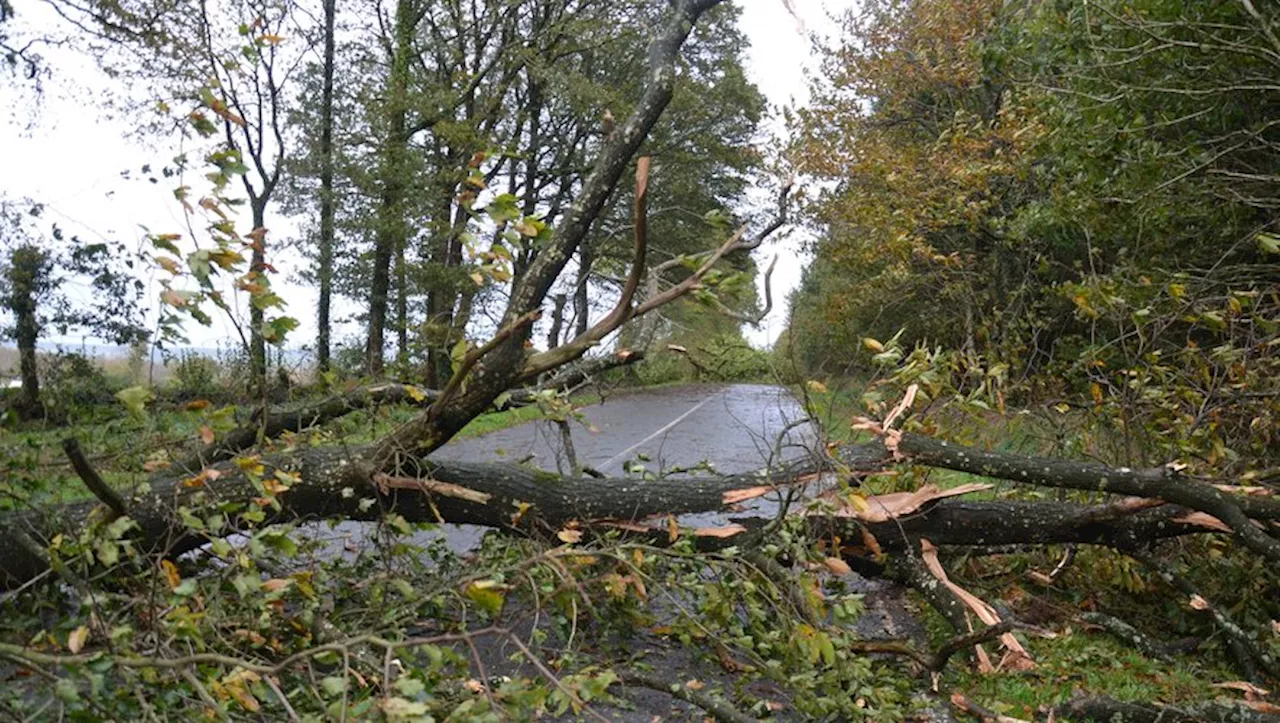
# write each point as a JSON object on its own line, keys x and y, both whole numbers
{"x": 695, "y": 685}
{"x": 276, "y": 583}
{"x": 1199, "y": 603}
{"x": 77, "y": 638}
{"x": 735, "y": 496}
{"x": 1263, "y": 707}
{"x": 196, "y": 405}
{"x": 673, "y": 530}
{"x": 206, "y": 434}
{"x": 171, "y": 574}
{"x": 871, "y": 543}
{"x": 837, "y": 566}
{"x": 725, "y": 531}
{"x": 569, "y": 536}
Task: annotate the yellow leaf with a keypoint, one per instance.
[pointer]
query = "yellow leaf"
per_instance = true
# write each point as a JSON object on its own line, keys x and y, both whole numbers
{"x": 817, "y": 386}
{"x": 476, "y": 277}
{"x": 173, "y": 298}
{"x": 1095, "y": 391}
{"x": 569, "y": 536}
{"x": 75, "y": 641}
{"x": 414, "y": 393}
{"x": 873, "y": 345}
{"x": 171, "y": 573}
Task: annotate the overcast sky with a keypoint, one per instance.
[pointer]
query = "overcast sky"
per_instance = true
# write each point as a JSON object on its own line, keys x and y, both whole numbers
{"x": 68, "y": 154}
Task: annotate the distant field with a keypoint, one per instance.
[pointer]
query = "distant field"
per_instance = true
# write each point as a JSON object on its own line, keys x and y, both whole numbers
{"x": 112, "y": 360}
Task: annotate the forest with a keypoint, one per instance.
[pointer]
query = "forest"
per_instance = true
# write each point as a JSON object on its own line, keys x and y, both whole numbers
{"x": 482, "y": 271}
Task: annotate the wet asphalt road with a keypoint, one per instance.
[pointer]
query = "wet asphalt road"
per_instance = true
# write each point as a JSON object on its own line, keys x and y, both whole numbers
{"x": 735, "y": 427}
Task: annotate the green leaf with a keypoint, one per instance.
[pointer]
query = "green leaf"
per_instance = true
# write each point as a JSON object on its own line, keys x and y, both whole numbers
{"x": 1269, "y": 243}
{"x": 503, "y": 208}
{"x": 274, "y": 330}
{"x": 409, "y": 687}
{"x": 333, "y": 685}
{"x": 487, "y": 595}
{"x": 135, "y": 399}
{"x": 66, "y": 690}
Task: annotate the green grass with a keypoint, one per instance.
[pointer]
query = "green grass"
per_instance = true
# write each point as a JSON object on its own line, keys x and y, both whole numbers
{"x": 1077, "y": 662}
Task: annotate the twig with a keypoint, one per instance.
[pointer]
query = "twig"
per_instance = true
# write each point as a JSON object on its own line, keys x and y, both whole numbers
{"x": 966, "y": 705}
{"x": 284, "y": 700}
{"x": 92, "y": 479}
{"x": 1127, "y": 633}
{"x": 1246, "y": 650}
{"x": 718, "y": 709}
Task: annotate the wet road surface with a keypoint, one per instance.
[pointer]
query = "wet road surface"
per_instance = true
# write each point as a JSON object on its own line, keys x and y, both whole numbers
{"x": 735, "y": 427}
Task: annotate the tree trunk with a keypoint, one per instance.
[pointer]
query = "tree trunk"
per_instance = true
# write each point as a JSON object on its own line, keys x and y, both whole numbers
{"x": 27, "y": 270}
{"x": 402, "y": 311}
{"x": 325, "y": 270}
{"x": 258, "y": 267}
{"x": 391, "y": 231}
{"x": 557, "y": 321}
{"x": 581, "y": 305}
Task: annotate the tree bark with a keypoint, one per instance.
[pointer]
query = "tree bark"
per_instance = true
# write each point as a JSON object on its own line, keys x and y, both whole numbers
{"x": 581, "y": 303}
{"x": 258, "y": 267}
{"x": 338, "y": 483}
{"x": 325, "y": 271}
{"x": 391, "y": 232}
{"x": 557, "y": 321}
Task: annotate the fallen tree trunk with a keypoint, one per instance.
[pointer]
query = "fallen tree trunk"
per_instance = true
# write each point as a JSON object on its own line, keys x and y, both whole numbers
{"x": 332, "y": 483}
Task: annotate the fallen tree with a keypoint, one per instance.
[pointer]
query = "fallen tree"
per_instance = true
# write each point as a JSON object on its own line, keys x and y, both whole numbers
{"x": 328, "y": 483}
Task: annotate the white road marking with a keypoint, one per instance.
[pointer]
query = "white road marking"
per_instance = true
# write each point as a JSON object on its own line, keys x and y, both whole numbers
{"x": 661, "y": 431}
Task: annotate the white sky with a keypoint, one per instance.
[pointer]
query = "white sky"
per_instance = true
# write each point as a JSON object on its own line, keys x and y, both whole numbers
{"x": 68, "y": 153}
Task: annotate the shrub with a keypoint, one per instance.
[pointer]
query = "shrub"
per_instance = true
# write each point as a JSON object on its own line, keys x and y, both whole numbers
{"x": 194, "y": 376}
